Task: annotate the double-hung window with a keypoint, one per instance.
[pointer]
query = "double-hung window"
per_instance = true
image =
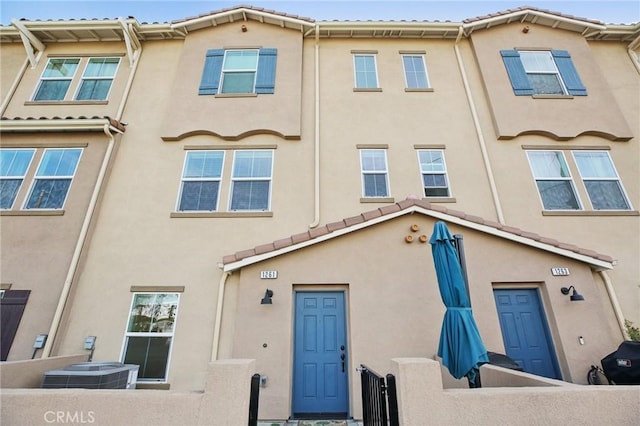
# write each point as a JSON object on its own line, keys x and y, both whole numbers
{"x": 97, "y": 79}
{"x": 239, "y": 71}
{"x": 415, "y": 72}
{"x": 60, "y": 74}
{"x": 375, "y": 179}
{"x": 53, "y": 178}
{"x": 149, "y": 334}
{"x": 366, "y": 74}
{"x": 553, "y": 180}
{"x": 14, "y": 164}
{"x": 601, "y": 180}
{"x": 434, "y": 173}
{"x": 251, "y": 180}
{"x": 542, "y": 72}
{"x": 201, "y": 181}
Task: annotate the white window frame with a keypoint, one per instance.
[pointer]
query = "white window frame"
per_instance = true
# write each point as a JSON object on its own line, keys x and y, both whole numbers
{"x": 128, "y": 334}
{"x": 616, "y": 178}
{"x": 184, "y": 179}
{"x": 424, "y": 64}
{"x": 375, "y": 70}
{"x": 37, "y": 178}
{"x": 251, "y": 178}
{"x": 223, "y": 72}
{"x": 552, "y": 61}
{"x": 84, "y": 77}
{"x": 21, "y": 177}
{"x": 43, "y": 78}
{"x": 557, "y": 178}
{"x": 443, "y": 172}
{"x": 384, "y": 172}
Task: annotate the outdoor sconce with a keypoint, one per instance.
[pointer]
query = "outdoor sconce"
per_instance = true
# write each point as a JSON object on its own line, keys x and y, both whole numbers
{"x": 244, "y": 28}
{"x": 268, "y": 294}
{"x": 575, "y": 296}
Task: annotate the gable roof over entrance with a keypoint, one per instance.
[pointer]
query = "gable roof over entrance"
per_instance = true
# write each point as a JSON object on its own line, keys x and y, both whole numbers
{"x": 410, "y": 206}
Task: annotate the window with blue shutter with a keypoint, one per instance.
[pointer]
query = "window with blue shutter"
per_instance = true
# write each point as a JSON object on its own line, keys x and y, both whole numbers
{"x": 542, "y": 72}
{"x": 237, "y": 71}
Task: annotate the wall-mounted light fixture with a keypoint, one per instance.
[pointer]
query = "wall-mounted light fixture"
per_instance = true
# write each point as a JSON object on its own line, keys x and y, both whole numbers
{"x": 244, "y": 28}
{"x": 266, "y": 300}
{"x": 575, "y": 296}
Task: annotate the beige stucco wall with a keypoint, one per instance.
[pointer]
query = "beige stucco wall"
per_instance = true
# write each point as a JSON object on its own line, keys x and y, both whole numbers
{"x": 234, "y": 117}
{"x": 394, "y": 307}
{"x": 30, "y": 373}
{"x": 36, "y": 247}
{"x": 21, "y": 105}
{"x": 597, "y": 113}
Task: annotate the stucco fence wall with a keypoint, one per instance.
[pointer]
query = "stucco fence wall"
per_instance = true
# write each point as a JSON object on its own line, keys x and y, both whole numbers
{"x": 421, "y": 398}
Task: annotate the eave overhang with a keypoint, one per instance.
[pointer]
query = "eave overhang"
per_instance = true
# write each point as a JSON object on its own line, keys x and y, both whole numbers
{"x": 55, "y": 125}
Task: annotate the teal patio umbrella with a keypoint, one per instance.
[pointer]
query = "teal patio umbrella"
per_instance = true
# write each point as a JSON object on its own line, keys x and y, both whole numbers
{"x": 460, "y": 347}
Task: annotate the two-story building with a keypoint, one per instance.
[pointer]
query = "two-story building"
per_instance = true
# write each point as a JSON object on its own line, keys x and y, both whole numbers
{"x": 279, "y": 178}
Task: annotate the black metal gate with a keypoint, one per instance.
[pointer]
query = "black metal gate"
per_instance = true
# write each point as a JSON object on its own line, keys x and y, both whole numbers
{"x": 254, "y": 399}
{"x": 377, "y": 395}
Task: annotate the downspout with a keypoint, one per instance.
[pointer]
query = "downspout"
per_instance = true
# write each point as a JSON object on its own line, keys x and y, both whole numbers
{"x": 614, "y": 303}
{"x": 14, "y": 86}
{"x": 216, "y": 332}
{"x": 316, "y": 141}
{"x": 66, "y": 289}
{"x": 476, "y": 123}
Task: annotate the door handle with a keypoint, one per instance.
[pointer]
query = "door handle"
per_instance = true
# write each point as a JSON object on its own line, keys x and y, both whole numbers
{"x": 342, "y": 358}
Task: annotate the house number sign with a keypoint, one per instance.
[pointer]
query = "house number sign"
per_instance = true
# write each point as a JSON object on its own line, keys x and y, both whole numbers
{"x": 268, "y": 275}
{"x": 559, "y": 271}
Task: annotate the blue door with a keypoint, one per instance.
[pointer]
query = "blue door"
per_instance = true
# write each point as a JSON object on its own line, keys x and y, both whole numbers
{"x": 320, "y": 365}
{"x": 525, "y": 332}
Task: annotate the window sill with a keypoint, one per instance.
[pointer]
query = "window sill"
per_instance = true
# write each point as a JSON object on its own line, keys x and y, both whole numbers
{"x": 219, "y": 214}
{"x": 372, "y": 89}
{"x": 151, "y": 385}
{"x": 377, "y": 200}
{"x": 66, "y": 103}
{"x": 426, "y": 89}
{"x": 439, "y": 199}
{"x": 590, "y": 213}
{"x": 552, "y": 96}
{"x": 236, "y": 95}
{"x": 31, "y": 212}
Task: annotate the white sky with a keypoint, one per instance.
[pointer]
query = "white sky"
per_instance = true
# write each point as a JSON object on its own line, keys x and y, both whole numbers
{"x": 608, "y": 11}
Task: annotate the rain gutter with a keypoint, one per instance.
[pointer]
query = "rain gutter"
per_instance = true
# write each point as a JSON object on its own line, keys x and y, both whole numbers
{"x": 614, "y": 303}
{"x": 476, "y": 123}
{"x": 220, "y": 305}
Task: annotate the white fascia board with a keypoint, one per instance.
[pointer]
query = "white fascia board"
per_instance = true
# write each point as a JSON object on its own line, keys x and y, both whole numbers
{"x": 56, "y": 125}
{"x": 524, "y": 12}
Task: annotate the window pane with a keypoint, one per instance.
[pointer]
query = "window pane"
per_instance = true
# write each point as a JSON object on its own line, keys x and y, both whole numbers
{"x": 606, "y": 195}
{"x": 153, "y": 313}
{"x": 238, "y": 82}
{"x": 434, "y": 180}
{"x": 199, "y": 195}
{"x": 101, "y": 67}
{"x": 252, "y": 164}
{"x": 375, "y": 185}
{"x": 415, "y": 72}
{"x": 61, "y": 68}
{"x": 48, "y": 193}
{"x": 436, "y": 192}
{"x": 14, "y": 162}
{"x": 548, "y": 164}
{"x": 95, "y": 90}
{"x": 595, "y": 165}
{"x": 150, "y": 353}
{"x": 558, "y": 195}
{"x": 374, "y": 160}
{"x": 250, "y": 195}
{"x": 365, "y": 71}
{"x": 537, "y": 61}
{"x": 431, "y": 161}
{"x": 52, "y": 90}
{"x": 545, "y": 84}
{"x": 59, "y": 162}
{"x": 203, "y": 164}
{"x": 8, "y": 192}
{"x": 240, "y": 60}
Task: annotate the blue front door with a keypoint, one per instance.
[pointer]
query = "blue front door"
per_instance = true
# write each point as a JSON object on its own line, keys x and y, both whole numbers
{"x": 320, "y": 365}
{"x": 525, "y": 332}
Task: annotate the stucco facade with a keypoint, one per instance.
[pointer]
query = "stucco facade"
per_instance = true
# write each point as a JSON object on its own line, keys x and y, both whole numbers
{"x": 125, "y": 231}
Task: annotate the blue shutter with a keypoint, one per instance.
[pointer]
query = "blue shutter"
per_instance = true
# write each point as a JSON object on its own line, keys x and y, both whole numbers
{"x": 211, "y": 72}
{"x": 266, "y": 78}
{"x": 568, "y": 73}
{"x": 517, "y": 75}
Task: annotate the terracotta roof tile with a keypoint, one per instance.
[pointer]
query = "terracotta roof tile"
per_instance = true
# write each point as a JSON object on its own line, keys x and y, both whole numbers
{"x": 522, "y": 8}
{"x": 397, "y": 207}
{"x": 249, "y": 7}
